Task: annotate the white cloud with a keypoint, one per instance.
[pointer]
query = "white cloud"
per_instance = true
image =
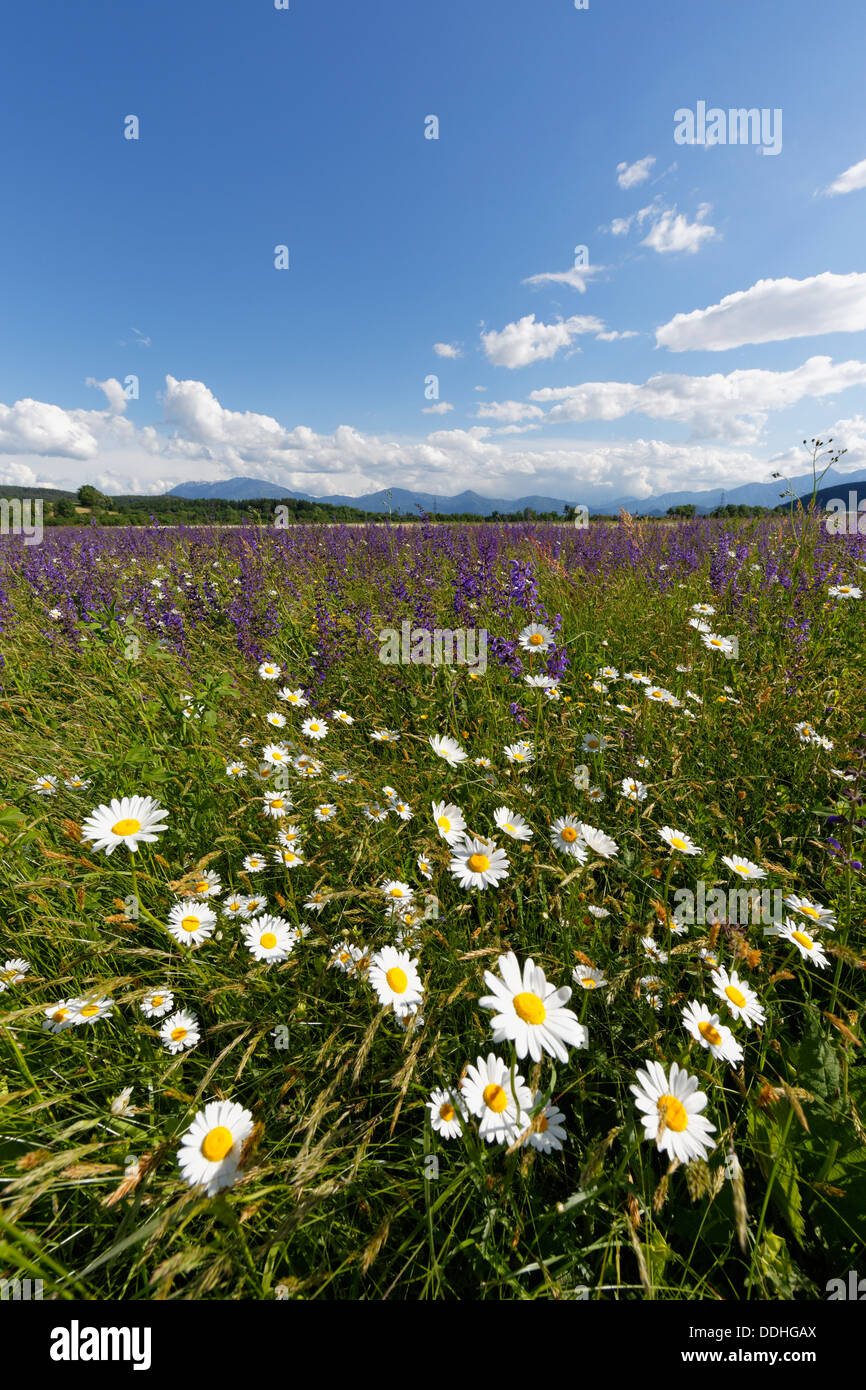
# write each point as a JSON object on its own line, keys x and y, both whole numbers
{"x": 511, "y": 412}
{"x": 620, "y": 225}
{"x": 113, "y": 391}
{"x": 576, "y": 277}
{"x": 42, "y": 429}
{"x": 447, "y": 350}
{"x": 734, "y": 407}
{"x": 518, "y": 344}
{"x": 479, "y": 388}
{"x": 672, "y": 231}
{"x": 17, "y": 475}
{"x": 441, "y": 408}
{"x": 771, "y": 311}
{"x": 629, "y": 175}
{"x": 614, "y": 334}
{"x": 848, "y": 182}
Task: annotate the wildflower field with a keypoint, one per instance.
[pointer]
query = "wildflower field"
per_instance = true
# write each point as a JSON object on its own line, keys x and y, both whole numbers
{"x": 328, "y": 973}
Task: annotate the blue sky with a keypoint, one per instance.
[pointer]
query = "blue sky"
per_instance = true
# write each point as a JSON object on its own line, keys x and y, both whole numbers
{"x": 411, "y": 257}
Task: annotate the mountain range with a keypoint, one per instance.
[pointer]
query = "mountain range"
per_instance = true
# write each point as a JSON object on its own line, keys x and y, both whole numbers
{"x": 401, "y": 501}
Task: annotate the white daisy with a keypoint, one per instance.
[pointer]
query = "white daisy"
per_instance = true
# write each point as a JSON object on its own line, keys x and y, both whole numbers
{"x": 476, "y": 864}
{"x": 535, "y": 637}
{"x": 487, "y": 1093}
{"x": 512, "y": 824}
{"x": 13, "y": 972}
{"x": 45, "y": 785}
{"x": 394, "y": 977}
{"x": 820, "y": 916}
{"x": 445, "y": 1108}
{"x": 385, "y": 735}
{"x": 594, "y": 743}
{"x": 520, "y": 752}
{"x": 269, "y": 938}
{"x": 424, "y": 868}
{"x": 190, "y": 922}
{"x": 599, "y": 912}
{"x": 275, "y": 719}
{"x": 705, "y": 1027}
{"x": 810, "y": 949}
{"x": 77, "y": 784}
{"x": 744, "y": 868}
{"x": 325, "y": 811}
{"x": 253, "y": 905}
{"x": 342, "y": 717}
{"x": 210, "y": 1151}
{"x": 448, "y": 749}
{"x": 651, "y": 986}
{"x": 91, "y": 1010}
{"x": 130, "y": 821}
{"x": 292, "y": 697}
{"x": 343, "y": 775}
{"x": 587, "y": 977}
{"x": 653, "y": 951}
{"x": 59, "y": 1016}
{"x": 531, "y": 1012}
{"x": 255, "y": 863}
{"x": 633, "y": 790}
{"x": 671, "y": 1112}
{"x": 598, "y": 842}
{"x": 180, "y": 1032}
{"x": 206, "y": 885}
{"x": 269, "y": 671}
{"x": 844, "y": 591}
{"x": 565, "y": 835}
{"x": 678, "y": 840}
{"x": 548, "y": 1130}
{"x": 236, "y": 769}
{"x": 157, "y": 1002}
{"x": 276, "y": 754}
{"x": 314, "y": 728}
{"x": 741, "y": 1000}
{"x": 289, "y": 858}
{"x": 317, "y": 900}
{"x": 449, "y": 822}
{"x": 276, "y": 804}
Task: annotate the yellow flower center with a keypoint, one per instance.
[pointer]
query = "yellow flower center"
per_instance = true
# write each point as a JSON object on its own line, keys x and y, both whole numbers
{"x": 269, "y": 941}
{"x": 804, "y": 940}
{"x": 126, "y": 827}
{"x": 444, "y": 823}
{"x": 736, "y": 996}
{"x": 277, "y": 802}
{"x": 588, "y": 983}
{"x": 495, "y": 1098}
{"x": 479, "y": 863}
{"x": 809, "y": 912}
{"x": 530, "y": 1008}
{"x": 396, "y": 892}
{"x": 60, "y": 1015}
{"x": 156, "y": 1001}
{"x": 541, "y": 1124}
{"x": 508, "y": 826}
{"x": 446, "y": 1112}
{"x": 216, "y": 1144}
{"x": 569, "y": 834}
{"x": 536, "y": 639}
{"x": 190, "y": 924}
{"x": 177, "y": 1034}
{"x": 89, "y": 1010}
{"x": 677, "y": 843}
{"x": 674, "y": 1112}
{"x": 397, "y": 979}
{"x": 202, "y": 886}
{"x": 710, "y": 1033}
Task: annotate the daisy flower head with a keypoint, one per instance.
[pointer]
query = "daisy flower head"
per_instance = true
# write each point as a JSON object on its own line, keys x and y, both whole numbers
{"x": 742, "y": 1001}
{"x": 254, "y": 904}
{"x": 608, "y": 673}
{"x": 317, "y": 900}
{"x": 206, "y": 885}
{"x": 535, "y": 637}
{"x": 820, "y": 916}
{"x": 743, "y": 868}
{"x": 548, "y": 1130}
{"x": 396, "y": 894}
{"x": 342, "y": 775}
{"x": 157, "y": 1002}
{"x": 306, "y": 766}
{"x": 706, "y": 1029}
{"x": 325, "y": 811}
{"x": 445, "y": 1109}
{"x": 255, "y": 863}
{"x": 653, "y": 951}
{"x": 633, "y": 790}
{"x": 276, "y": 804}
{"x": 270, "y": 671}
{"x": 704, "y": 608}
{"x": 77, "y": 784}
{"x": 236, "y": 769}
{"x": 292, "y": 697}
{"x": 290, "y": 836}
{"x": 520, "y": 752}
{"x": 670, "y": 1109}
{"x": 487, "y": 1092}
{"x": 13, "y": 972}
{"x": 374, "y": 812}
{"x": 530, "y": 1012}
{"x": 539, "y": 682}
{"x": 449, "y": 822}
{"x": 344, "y": 956}
{"x": 269, "y": 938}
{"x": 651, "y": 988}
{"x": 275, "y": 719}
{"x": 679, "y": 840}
{"x": 385, "y": 735}
{"x": 565, "y": 835}
{"x": 210, "y": 1151}
{"x": 844, "y": 591}
{"x": 45, "y": 785}
{"x": 594, "y": 743}
{"x": 642, "y": 762}
{"x": 289, "y": 858}
{"x": 512, "y": 824}
{"x": 130, "y": 821}
{"x": 314, "y": 728}
{"x": 180, "y": 1032}
{"x": 476, "y": 864}
{"x": 598, "y": 842}
{"x": 91, "y": 1010}
{"x": 342, "y": 717}
{"x": 276, "y": 754}
{"x": 424, "y": 868}
{"x": 587, "y": 977}
{"x": 593, "y": 794}
{"x": 403, "y": 811}
{"x": 448, "y": 749}
{"x": 599, "y": 912}
{"x": 394, "y": 977}
{"x": 59, "y": 1016}
{"x": 191, "y": 923}
{"x": 714, "y": 643}
{"x": 809, "y": 948}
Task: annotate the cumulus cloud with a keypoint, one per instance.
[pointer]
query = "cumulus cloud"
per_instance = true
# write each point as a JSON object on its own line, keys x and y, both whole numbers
{"x": 672, "y": 231}
{"x": 440, "y": 408}
{"x": 849, "y": 181}
{"x": 36, "y": 427}
{"x": 613, "y": 334}
{"x": 733, "y": 406}
{"x": 113, "y": 391}
{"x": 518, "y": 344}
{"x": 620, "y": 225}
{"x": 629, "y": 175}
{"x": 447, "y": 350}
{"x": 511, "y": 412}
{"x": 771, "y": 311}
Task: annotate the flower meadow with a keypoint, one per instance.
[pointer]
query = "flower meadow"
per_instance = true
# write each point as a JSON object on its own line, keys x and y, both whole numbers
{"x": 324, "y": 976}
